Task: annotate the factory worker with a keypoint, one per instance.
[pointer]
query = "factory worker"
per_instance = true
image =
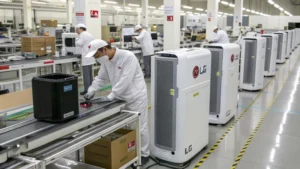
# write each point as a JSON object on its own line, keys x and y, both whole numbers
{"x": 146, "y": 42}
{"x": 83, "y": 41}
{"x": 220, "y": 37}
{"x": 121, "y": 68}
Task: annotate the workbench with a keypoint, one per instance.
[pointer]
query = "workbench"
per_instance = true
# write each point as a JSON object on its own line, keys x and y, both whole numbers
{"x": 37, "y": 144}
{"x": 66, "y": 62}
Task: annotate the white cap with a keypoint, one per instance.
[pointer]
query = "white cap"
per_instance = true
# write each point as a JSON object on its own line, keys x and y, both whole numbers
{"x": 94, "y": 46}
{"x": 137, "y": 27}
{"x": 81, "y": 25}
{"x": 215, "y": 27}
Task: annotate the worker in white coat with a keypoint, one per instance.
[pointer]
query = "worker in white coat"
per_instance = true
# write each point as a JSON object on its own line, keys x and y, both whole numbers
{"x": 221, "y": 36}
{"x": 122, "y": 69}
{"x": 83, "y": 41}
{"x": 146, "y": 42}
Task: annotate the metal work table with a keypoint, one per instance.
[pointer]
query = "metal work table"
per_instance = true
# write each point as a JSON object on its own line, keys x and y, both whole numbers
{"x": 44, "y": 143}
{"x": 11, "y": 46}
{"x": 66, "y": 61}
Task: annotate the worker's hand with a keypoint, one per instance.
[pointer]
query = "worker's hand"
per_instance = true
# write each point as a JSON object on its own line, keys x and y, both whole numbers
{"x": 89, "y": 95}
{"x": 133, "y": 37}
{"x": 102, "y": 99}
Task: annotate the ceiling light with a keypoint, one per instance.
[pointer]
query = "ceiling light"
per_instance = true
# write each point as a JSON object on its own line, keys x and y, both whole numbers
{"x": 248, "y": 10}
{"x": 196, "y": 13}
{"x": 111, "y": 2}
{"x": 231, "y": 5}
{"x": 39, "y": 2}
{"x": 281, "y": 9}
{"x": 182, "y": 14}
{"x": 128, "y": 8}
{"x": 271, "y": 2}
{"x": 219, "y": 15}
{"x": 203, "y": 14}
{"x": 276, "y": 6}
{"x": 224, "y": 3}
{"x": 245, "y": 15}
{"x": 135, "y": 5}
{"x": 6, "y": 1}
{"x": 199, "y": 9}
{"x": 252, "y": 11}
{"x": 189, "y": 12}
{"x": 103, "y": 6}
{"x": 152, "y": 7}
{"x": 116, "y": 7}
{"x": 244, "y": 9}
{"x": 220, "y": 12}
{"x": 187, "y": 7}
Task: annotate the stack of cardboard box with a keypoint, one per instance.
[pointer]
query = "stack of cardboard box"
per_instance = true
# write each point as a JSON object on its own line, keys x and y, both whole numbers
{"x": 40, "y": 45}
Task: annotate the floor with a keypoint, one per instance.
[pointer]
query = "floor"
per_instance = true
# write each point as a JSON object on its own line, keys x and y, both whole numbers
{"x": 265, "y": 132}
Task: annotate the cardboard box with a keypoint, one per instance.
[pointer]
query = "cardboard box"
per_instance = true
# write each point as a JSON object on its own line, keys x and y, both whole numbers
{"x": 112, "y": 151}
{"x": 40, "y": 45}
{"x": 49, "y": 23}
{"x": 15, "y": 99}
{"x": 50, "y": 45}
{"x": 34, "y": 44}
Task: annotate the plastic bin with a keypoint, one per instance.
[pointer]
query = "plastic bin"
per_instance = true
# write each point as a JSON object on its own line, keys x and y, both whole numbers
{"x": 55, "y": 97}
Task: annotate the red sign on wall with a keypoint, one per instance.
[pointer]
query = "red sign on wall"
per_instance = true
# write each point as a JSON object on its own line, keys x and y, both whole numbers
{"x": 94, "y": 13}
{"x": 170, "y": 18}
{"x": 79, "y": 14}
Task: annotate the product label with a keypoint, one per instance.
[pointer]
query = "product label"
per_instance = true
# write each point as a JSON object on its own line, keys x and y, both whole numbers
{"x": 131, "y": 146}
{"x": 68, "y": 88}
{"x": 68, "y": 114}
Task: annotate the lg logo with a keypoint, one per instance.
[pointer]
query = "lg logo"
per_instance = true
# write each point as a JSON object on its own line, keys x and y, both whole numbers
{"x": 189, "y": 149}
{"x": 197, "y": 71}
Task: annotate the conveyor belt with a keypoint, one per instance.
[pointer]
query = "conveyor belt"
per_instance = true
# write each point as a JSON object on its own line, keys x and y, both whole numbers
{"x": 39, "y": 130}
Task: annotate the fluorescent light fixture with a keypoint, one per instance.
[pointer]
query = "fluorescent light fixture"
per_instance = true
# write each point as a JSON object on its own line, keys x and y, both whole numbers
{"x": 117, "y": 7}
{"x": 187, "y": 7}
{"x": 189, "y": 12}
{"x": 271, "y": 2}
{"x": 39, "y": 2}
{"x": 199, "y": 9}
{"x": 231, "y": 5}
{"x": 245, "y": 15}
{"x": 182, "y": 14}
{"x": 128, "y": 8}
{"x": 248, "y": 10}
{"x": 152, "y": 7}
{"x": 224, "y": 3}
{"x": 103, "y": 6}
{"x": 196, "y": 13}
{"x": 244, "y": 9}
{"x": 220, "y": 12}
{"x": 203, "y": 14}
{"x": 281, "y": 9}
{"x": 219, "y": 15}
{"x": 6, "y": 1}
{"x": 111, "y": 2}
{"x": 138, "y": 8}
{"x": 135, "y": 5}
{"x": 276, "y": 6}
{"x": 252, "y": 11}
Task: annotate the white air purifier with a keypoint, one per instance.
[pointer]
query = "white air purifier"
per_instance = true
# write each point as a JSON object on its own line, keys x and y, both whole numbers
{"x": 271, "y": 54}
{"x": 252, "y": 63}
{"x": 224, "y": 82}
{"x": 288, "y": 48}
{"x": 180, "y": 94}
{"x": 282, "y": 39}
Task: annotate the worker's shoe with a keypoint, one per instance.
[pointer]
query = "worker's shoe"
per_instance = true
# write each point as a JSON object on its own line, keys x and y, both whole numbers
{"x": 83, "y": 93}
{"x": 145, "y": 160}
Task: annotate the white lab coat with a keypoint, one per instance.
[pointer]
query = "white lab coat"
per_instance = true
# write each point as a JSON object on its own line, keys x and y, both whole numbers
{"x": 221, "y": 37}
{"x": 83, "y": 42}
{"x": 146, "y": 43}
{"x": 123, "y": 71}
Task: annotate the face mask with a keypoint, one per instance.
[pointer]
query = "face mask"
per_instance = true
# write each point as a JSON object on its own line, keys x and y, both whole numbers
{"x": 102, "y": 60}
